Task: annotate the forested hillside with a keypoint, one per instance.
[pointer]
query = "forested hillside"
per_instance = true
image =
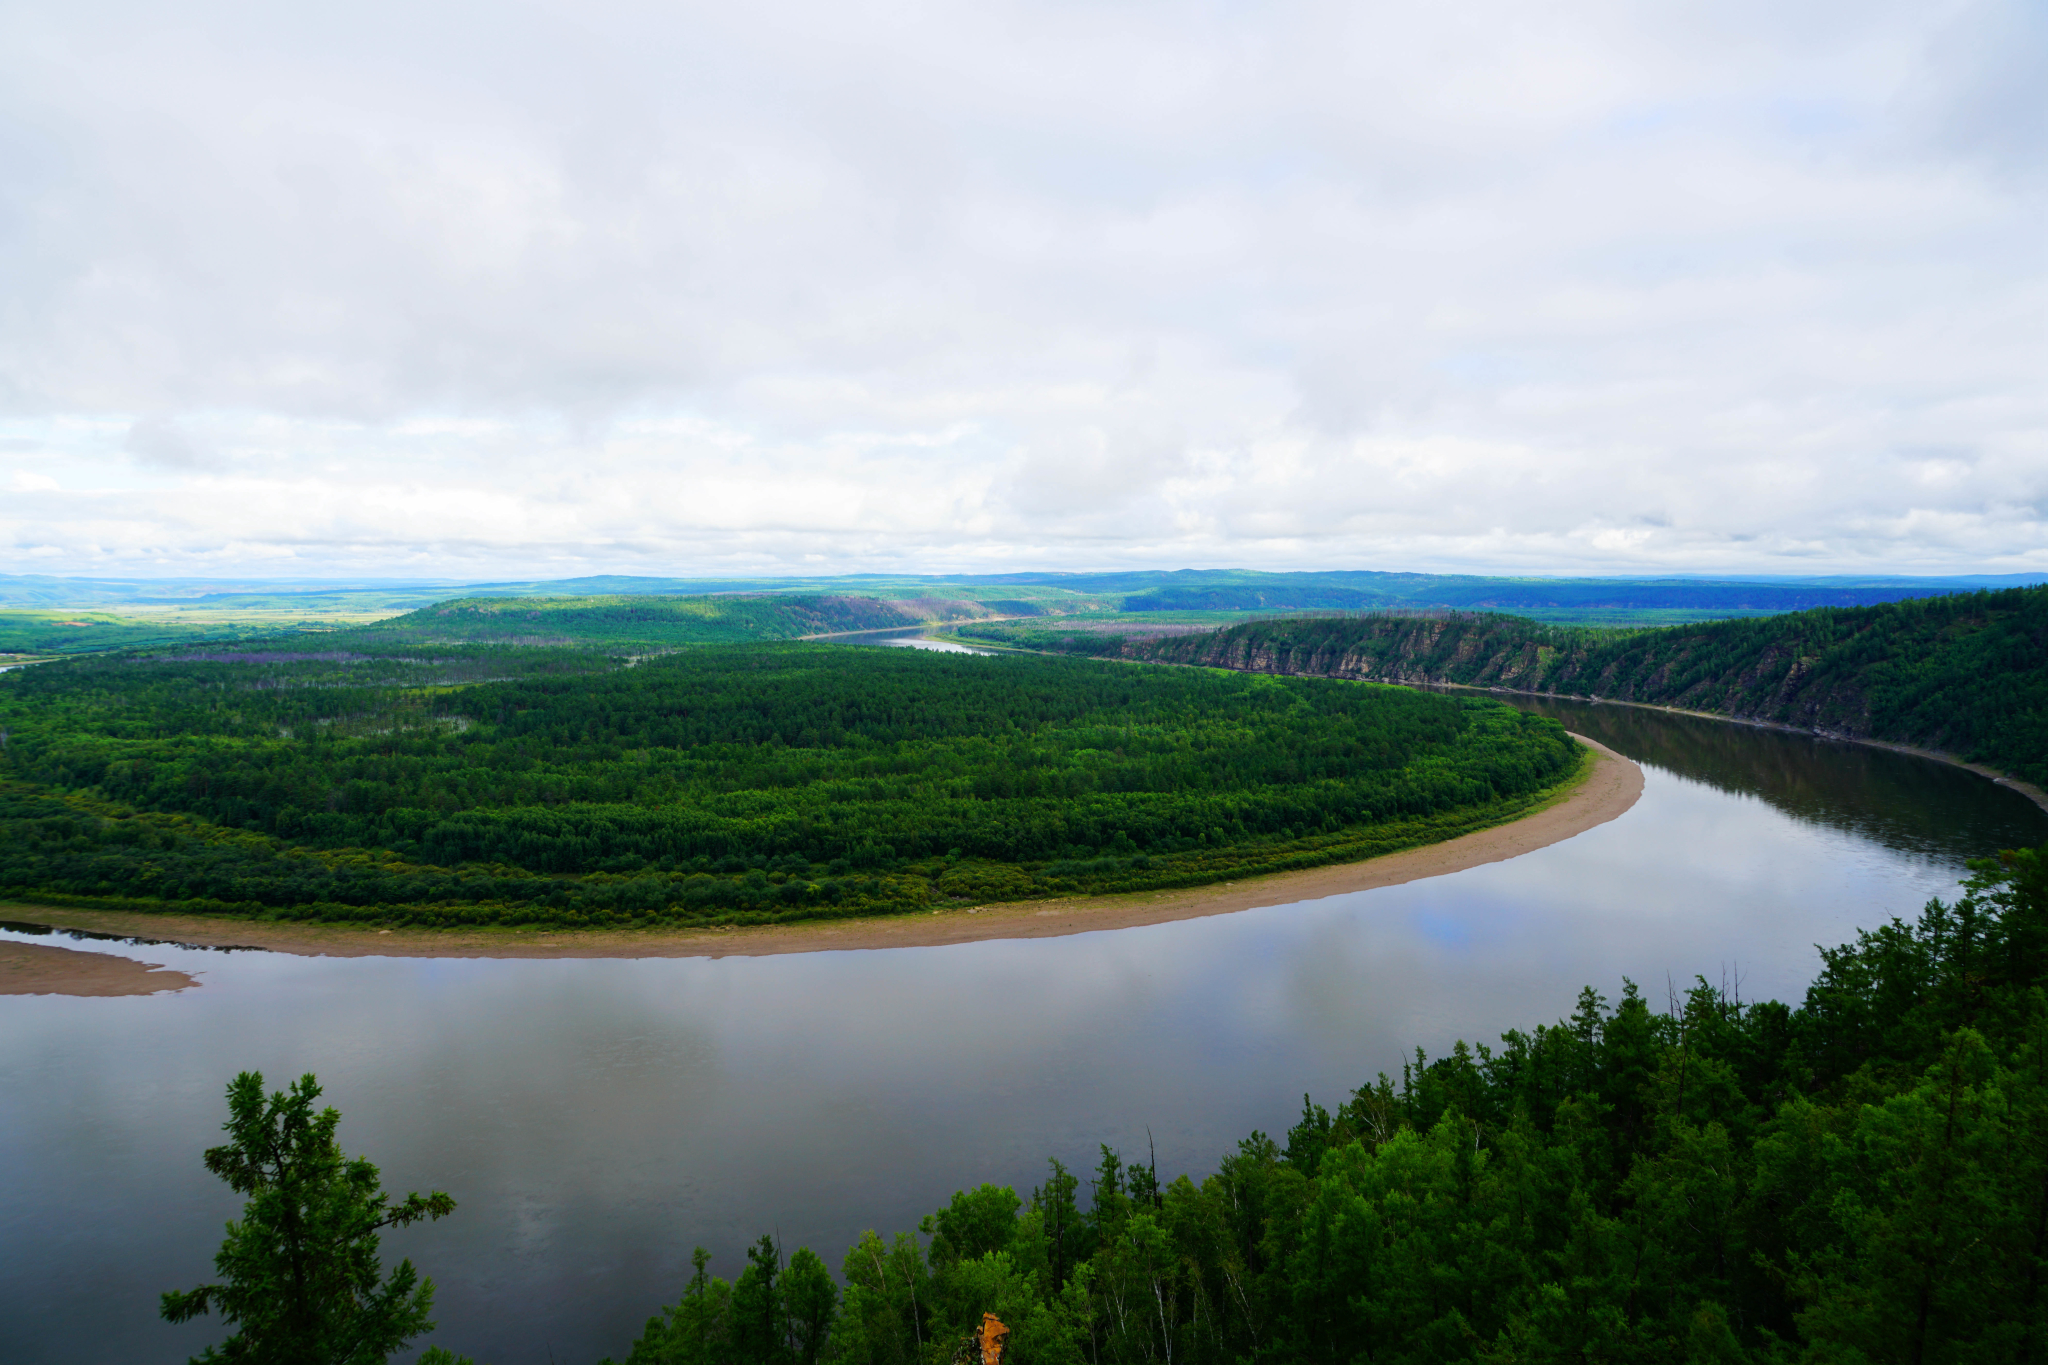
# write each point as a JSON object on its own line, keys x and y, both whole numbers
{"x": 645, "y": 622}
{"x": 63, "y": 632}
{"x": 625, "y": 622}
{"x": 1967, "y": 674}
{"x": 1861, "y": 1179}
{"x": 1575, "y": 598}
{"x": 718, "y": 785}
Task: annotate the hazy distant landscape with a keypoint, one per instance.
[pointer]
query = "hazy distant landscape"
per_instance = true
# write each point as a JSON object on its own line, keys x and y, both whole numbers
{"x": 65, "y": 616}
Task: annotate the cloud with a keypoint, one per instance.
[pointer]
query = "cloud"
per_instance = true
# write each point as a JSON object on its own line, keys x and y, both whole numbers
{"x": 907, "y": 285}
{"x": 165, "y": 443}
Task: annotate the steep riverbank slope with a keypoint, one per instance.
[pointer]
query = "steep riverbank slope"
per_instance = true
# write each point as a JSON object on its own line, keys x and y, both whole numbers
{"x": 1964, "y": 674}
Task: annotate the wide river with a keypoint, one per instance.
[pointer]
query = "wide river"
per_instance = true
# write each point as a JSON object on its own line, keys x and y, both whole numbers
{"x": 596, "y": 1120}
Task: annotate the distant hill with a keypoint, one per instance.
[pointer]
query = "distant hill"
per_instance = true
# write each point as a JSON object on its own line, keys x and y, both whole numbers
{"x": 1198, "y": 591}
{"x": 1021, "y": 594}
{"x": 1964, "y": 673}
{"x": 74, "y": 632}
{"x": 630, "y": 622}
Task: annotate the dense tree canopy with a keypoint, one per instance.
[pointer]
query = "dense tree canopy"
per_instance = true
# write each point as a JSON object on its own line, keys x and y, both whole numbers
{"x": 486, "y": 785}
{"x": 644, "y": 622}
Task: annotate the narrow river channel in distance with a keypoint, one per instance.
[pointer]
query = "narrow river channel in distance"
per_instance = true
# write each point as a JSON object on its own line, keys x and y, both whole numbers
{"x": 595, "y": 1120}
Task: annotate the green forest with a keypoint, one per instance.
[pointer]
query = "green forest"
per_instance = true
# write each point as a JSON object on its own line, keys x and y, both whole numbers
{"x": 1966, "y": 673}
{"x": 619, "y": 622}
{"x": 494, "y": 784}
{"x": 66, "y": 632}
{"x": 650, "y": 623}
{"x": 1863, "y": 1178}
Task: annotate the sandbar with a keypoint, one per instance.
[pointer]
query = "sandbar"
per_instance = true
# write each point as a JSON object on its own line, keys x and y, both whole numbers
{"x": 40, "y": 969}
{"x": 1607, "y": 788}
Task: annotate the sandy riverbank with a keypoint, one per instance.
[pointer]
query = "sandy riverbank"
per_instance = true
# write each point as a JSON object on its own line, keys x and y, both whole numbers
{"x": 1610, "y": 785}
{"x": 36, "y": 969}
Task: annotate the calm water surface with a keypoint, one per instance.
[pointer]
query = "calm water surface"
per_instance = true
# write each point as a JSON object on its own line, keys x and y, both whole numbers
{"x": 901, "y": 638}
{"x": 597, "y": 1119}
{"x": 935, "y": 646}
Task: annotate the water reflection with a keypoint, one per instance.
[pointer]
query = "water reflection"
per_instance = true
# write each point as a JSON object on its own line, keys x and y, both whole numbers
{"x": 905, "y": 638}
{"x": 26, "y": 929}
{"x": 597, "y": 1119}
{"x": 936, "y": 646}
{"x": 1895, "y": 799}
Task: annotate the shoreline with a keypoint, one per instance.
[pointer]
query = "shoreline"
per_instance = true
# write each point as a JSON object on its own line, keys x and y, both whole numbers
{"x": 1608, "y": 787}
{"x": 44, "y": 969}
{"x": 1997, "y": 777}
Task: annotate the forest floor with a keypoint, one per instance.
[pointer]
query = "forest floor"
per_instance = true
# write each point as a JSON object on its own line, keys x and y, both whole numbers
{"x": 1609, "y": 786}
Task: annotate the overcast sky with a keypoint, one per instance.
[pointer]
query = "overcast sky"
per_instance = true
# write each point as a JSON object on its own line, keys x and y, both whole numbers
{"x": 1588, "y": 286}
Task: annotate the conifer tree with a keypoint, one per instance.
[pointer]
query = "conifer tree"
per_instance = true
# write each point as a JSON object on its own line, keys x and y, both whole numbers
{"x": 300, "y": 1277}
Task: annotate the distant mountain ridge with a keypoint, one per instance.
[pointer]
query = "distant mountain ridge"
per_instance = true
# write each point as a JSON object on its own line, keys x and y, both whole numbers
{"x": 1139, "y": 590}
{"x": 1517, "y": 595}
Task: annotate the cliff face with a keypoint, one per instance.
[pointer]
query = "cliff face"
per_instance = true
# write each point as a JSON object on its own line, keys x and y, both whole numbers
{"x": 1404, "y": 651}
{"x": 1966, "y": 674}
{"x": 1776, "y": 684}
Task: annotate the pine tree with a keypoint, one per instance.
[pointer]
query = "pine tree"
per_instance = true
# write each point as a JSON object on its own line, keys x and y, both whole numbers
{"x": 300, "y": 1277}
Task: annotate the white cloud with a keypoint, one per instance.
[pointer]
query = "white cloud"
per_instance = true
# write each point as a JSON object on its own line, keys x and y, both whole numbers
{"x": 1583, "y": 287}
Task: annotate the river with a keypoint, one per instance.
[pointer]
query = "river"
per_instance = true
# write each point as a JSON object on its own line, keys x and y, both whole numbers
{"x": 595, "y": 1120}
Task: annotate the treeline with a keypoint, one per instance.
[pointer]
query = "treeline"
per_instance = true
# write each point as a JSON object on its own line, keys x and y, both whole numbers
{"x": 1861, "y": 1179}
{"x": 1966, "y": 673}
{"x": 727, "y": 785}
